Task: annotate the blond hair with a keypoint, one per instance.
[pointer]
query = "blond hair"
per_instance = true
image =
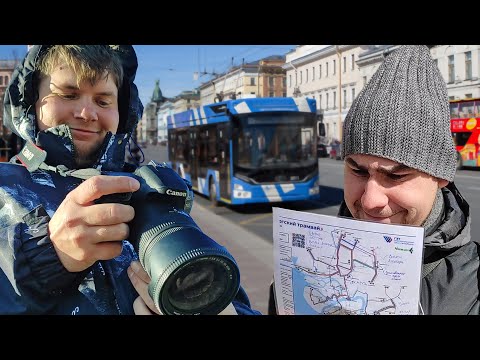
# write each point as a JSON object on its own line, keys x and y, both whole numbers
{"x": 89, "y": 62}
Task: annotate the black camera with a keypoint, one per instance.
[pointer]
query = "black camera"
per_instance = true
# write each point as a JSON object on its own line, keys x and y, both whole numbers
{"x": 190, "y": 273}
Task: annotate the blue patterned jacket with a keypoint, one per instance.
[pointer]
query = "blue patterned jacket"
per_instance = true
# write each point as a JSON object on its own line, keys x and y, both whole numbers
{"x": 32, "y": 278}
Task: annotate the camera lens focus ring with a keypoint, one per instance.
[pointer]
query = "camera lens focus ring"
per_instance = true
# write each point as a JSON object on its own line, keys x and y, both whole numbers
{"x": 217, "y": 257}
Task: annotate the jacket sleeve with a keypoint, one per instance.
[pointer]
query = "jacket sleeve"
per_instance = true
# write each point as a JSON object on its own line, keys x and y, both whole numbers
{"x": 31, "y": 265}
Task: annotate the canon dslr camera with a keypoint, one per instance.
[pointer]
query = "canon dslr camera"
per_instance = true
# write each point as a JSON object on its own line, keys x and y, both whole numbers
{"x": 190, "y": 273}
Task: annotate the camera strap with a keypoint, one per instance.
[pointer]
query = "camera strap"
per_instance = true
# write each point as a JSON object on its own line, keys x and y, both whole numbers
{"x": 33, "y": 158}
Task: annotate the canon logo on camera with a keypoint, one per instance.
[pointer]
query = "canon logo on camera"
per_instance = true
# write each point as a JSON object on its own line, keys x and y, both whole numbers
{"x": 176, "y": 193}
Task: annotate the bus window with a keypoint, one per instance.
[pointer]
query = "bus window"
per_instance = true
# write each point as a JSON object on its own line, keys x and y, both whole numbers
{"x": 212, "y": 146}
{"x": 477, "y": 108}
{"x": 466, "y": 109}
{"x": 454, "y": 111}
{"x": 181, "y": 147}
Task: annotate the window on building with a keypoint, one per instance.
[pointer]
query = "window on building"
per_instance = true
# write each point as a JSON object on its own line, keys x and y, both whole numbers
{"x": 1, "y": 80}
{"x": 319, "y": 101}
{"x": 301, "y": 77}
{"x": 344, "y": 64}
{"x": 334, "y": 99}
{"x": 451, "y": 98}
{"x": 306, "y": 75}
{"x": 284, "y": 94}
{"x": 353, "y": 61}
{"x": 345, "y": 98}
{"x": 451, "y": 69}
{"x": 468, "y": 65}
{"x": 468, "y": 96}
{"x": 319, "y": 71}
{"x": 313, "y": 73}
{"x": 270, "y": 81}
{"x": 353, "y": 94}
{"x": 6, "y": 80}
{"x": 290, "y": 80}
{"x": 252, "y": 81}
{"x": 326, "y": 69}
{"x": 296, "y": 82}
{"x": 284, "y": 82}
{"x": 326, "y": 104}
{"x": 334, "y": 67}
{"x": 271, "y": 94}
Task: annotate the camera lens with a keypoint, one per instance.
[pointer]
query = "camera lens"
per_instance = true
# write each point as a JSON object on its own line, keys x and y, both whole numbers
{"x": 197, "y": 285}
{"x": 189, "y": 276}
{"x": 190, "y": 273}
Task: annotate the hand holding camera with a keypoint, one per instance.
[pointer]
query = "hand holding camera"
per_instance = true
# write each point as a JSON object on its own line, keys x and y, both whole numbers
{"x": 190, "y": 273}
{"x": 84, "y": 232}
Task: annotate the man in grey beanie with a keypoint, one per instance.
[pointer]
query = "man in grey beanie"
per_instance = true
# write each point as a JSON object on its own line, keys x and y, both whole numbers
{"x": 400, "y": 164}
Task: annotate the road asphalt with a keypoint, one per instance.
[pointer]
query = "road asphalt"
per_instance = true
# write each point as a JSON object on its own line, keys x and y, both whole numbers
{"x": 253, "y": 254}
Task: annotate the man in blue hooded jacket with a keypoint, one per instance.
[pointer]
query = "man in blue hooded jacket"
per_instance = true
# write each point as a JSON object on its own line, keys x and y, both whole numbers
{"x": 75, "y": 105}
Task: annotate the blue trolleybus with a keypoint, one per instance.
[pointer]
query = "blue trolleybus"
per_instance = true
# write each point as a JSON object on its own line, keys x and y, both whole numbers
{"x": 244, "y": 151}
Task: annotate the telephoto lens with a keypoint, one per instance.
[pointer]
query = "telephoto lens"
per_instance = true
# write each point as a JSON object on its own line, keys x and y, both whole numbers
{"x": 190, "y": 273}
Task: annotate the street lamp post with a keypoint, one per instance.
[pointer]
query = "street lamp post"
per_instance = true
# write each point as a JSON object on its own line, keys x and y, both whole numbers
{"x": 340, "y": 127}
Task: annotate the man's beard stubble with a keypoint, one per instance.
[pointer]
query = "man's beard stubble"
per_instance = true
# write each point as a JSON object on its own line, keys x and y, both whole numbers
{"x": 86, "y": 158}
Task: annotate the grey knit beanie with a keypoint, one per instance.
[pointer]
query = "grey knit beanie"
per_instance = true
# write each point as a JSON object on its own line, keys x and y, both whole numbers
{"x": 402, "y": 114}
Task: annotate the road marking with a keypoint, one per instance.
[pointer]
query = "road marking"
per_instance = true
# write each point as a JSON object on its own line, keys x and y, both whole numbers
{"x": 264, "y": 224}
{"x": 248, "y": 221}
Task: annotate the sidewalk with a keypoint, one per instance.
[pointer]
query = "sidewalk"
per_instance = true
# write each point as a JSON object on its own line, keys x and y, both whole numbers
{"x": 253, "y": 254}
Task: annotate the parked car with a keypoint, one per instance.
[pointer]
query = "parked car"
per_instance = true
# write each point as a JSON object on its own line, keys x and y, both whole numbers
{"x": 335, "y": 150}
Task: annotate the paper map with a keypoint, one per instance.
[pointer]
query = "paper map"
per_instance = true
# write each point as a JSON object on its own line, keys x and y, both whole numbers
{"x": 338, "y": 266}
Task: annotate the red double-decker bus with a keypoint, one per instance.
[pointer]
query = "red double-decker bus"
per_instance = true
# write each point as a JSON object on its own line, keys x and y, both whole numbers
{"x": 465, "y": 127}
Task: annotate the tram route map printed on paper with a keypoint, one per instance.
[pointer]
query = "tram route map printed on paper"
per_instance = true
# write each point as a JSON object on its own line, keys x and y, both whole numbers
{"x": 326, "y": 265}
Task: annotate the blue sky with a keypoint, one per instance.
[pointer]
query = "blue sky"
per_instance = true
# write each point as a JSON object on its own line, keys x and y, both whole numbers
{"x": 174, "y": 65}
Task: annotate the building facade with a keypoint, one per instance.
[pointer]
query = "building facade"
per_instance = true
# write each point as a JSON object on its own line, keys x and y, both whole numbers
{"x": 262, "y": 78}
{"x": 329, "y": 74}
{"x": 186, "y": 100}
{"x": 335, "y": 74}
{"x": 165, "y": 110}
{"x": 460, "y": 67}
